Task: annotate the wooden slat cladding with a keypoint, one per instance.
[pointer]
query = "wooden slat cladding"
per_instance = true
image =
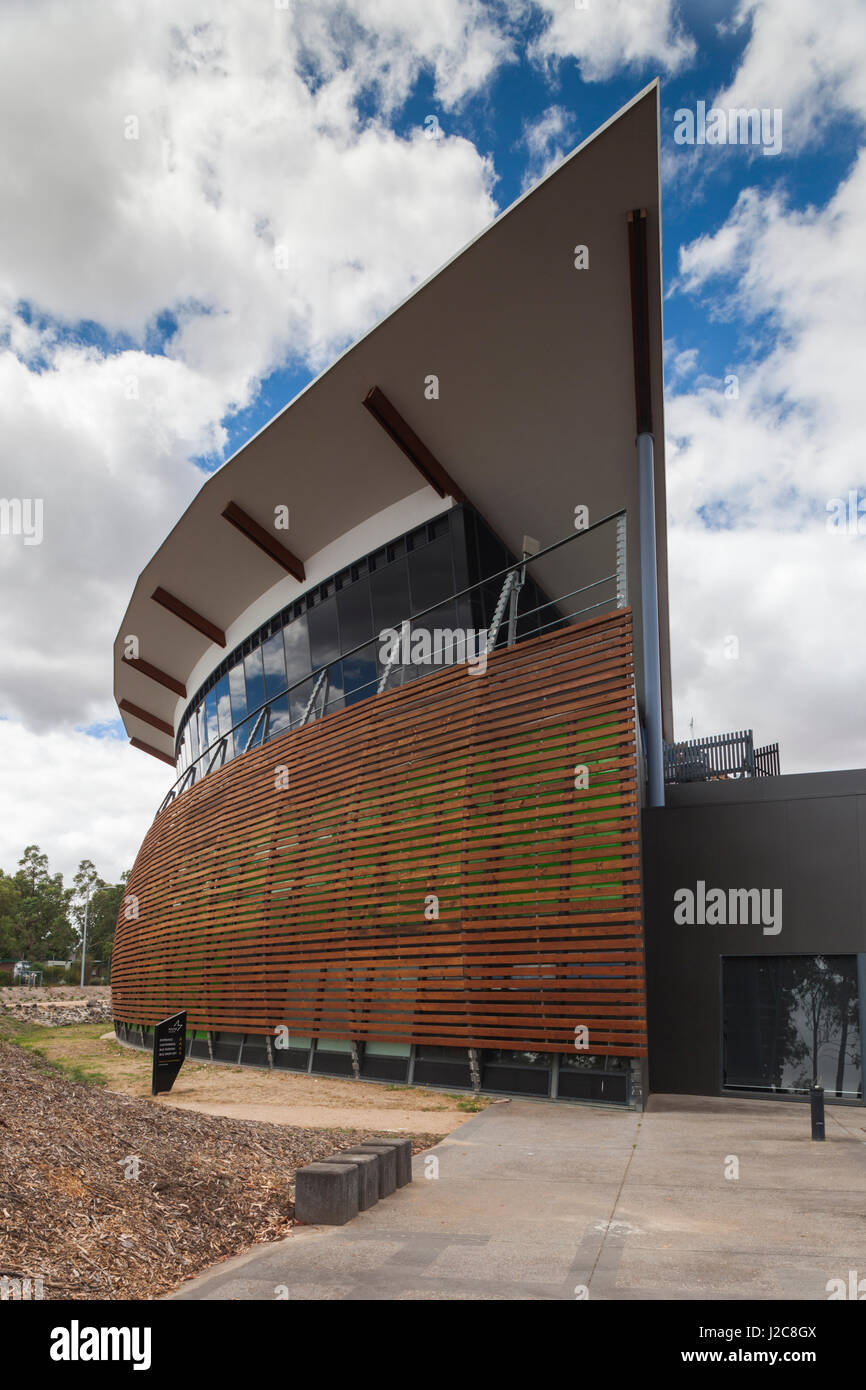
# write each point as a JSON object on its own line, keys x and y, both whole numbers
{"x": 290, "y": 886}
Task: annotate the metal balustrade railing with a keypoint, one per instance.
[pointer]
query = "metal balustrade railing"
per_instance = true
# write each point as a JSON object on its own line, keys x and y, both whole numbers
{"x": 720, "y": 756}
{"x": 503, "y": 631}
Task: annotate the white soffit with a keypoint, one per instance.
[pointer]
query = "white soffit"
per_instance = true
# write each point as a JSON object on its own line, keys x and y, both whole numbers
{"x": 535, "y": 413}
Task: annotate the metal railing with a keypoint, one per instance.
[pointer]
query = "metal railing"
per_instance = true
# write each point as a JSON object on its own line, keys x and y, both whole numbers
{"x": 720, "y": 756}
{"x": 502, "y": 632}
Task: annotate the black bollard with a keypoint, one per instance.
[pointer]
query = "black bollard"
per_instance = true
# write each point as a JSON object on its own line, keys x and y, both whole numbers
{"x": 816, "y": 1101}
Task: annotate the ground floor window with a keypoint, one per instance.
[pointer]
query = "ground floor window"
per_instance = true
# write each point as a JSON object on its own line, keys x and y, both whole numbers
{"x": 789, "y": 1020}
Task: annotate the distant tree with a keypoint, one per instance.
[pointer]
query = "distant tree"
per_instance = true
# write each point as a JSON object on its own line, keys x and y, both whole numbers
{"x": 9, "y": 898}
{"x": 102, "y": 909}
{"x": 41, "y": 922}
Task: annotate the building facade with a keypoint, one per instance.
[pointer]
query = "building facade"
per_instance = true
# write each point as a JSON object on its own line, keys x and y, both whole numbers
{"x": 407, "y": 654}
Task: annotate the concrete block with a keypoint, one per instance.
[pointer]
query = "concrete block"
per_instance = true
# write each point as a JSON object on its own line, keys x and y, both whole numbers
{"x": 403, "y": 1150}
{"x": 368, "y": 1176}
{"x": 387, "y": 1165}
{"x": 326, "y": 1194}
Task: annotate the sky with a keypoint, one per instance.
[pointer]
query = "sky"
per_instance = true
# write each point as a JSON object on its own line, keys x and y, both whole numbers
{"x": 205, "y": 201}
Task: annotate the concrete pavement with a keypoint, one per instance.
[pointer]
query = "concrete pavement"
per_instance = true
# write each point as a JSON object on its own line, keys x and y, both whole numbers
{"x": 696, "y": 1199}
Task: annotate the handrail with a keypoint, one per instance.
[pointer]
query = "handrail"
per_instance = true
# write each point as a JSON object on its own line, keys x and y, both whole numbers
{"x": 190, "y": 773}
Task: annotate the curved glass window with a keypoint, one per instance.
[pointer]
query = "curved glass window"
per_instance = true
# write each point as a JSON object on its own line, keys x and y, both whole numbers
{"x": 327, "y": 650}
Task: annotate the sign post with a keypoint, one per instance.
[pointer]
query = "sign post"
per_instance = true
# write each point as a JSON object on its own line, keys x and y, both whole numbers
{"x": 169, "y": 1046}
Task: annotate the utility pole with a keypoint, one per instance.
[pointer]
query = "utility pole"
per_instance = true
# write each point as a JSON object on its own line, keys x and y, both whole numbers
{"x": 84, "y": 942}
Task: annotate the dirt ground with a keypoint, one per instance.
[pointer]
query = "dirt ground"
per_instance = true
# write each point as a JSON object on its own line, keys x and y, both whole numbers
{"x": 111, "y": 1196}
{"x": 51, "y": 994}
{"x": 242, "y": 1093}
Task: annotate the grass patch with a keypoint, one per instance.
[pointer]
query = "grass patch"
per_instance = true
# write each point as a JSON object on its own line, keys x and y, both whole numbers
{"x": 50, "y": 1046}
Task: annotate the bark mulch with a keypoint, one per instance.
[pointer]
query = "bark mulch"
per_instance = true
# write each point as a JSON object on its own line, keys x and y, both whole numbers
{"x": 207, "y": 1187}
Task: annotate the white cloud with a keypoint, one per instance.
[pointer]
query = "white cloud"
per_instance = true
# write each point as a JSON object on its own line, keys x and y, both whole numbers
{"x": 77, "y": 797}
{"x": 547, "y": 139}
{"x": 766, "y": 464}
{"x": 254, "y": 204}
{"x": 804, "y": 58}
{"x": 606, "y": 37}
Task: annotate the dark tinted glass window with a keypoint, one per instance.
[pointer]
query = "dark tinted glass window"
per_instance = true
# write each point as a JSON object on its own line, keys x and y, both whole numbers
{"x": 255, "y": 674}
{"x": 431, "y": 574}
{"x": 324, "y": 643}
{"x": 297, "y": 644}
{"x": 335, "y": 689}
{"x": 789, "y": 1019}
{"x": 300, "y": 698}
{"x": 355, "y": 614}
{"x": 390, "y": 591}
{"x": 274, "y": 658}
{"x": 491, "y": 556}
{"x": 360, "y": 674}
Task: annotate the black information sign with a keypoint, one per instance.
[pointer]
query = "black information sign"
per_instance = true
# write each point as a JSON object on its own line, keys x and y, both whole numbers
{"x": 169, "y": 1045}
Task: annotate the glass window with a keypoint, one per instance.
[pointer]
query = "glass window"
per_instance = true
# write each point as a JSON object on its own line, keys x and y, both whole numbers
{"x": 255, "y": 674}
{"x": 300, "y": 698}
{"x": 431, "y": 574}
{"x": 446, "y": 646}
{"x": 324, "y": 642}
{"x": 789, "y": 1019}
{"x": 211, "y": 722}
{"x": 491, "y": 556}
{"x": 504, "y": 1057}
{"x": 192, "y": 727}
{"x": 280, "y": 719}
{"x": 355, "y": 614}
{"x": 274, "y": 658}
{"x": 242, "y": 735}
{"x": 238, "y": 691}
{"x": 224, "y": 706}
{"x": 258, "y": 726}
{"x": 334, "y": 696}
{"x": 584, "y": 1061}
{"x": 390, "y": 592}
{"x": 360, "y": 674}
{"x": 296, "y": 639}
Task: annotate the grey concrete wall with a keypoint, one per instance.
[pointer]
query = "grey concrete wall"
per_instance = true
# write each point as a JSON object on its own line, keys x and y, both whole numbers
{"x": 804, "y": 834}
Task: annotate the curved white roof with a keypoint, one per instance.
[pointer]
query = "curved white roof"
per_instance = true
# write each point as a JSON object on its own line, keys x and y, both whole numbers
{"x": 535, "y": 415}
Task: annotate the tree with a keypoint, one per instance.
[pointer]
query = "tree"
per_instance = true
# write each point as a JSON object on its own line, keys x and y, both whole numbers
{"x": 102, "y": 910}
{"x": 42, "y": 928}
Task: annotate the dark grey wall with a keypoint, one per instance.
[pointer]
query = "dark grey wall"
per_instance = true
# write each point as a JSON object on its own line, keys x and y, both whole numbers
{"x": 805, "y": 834}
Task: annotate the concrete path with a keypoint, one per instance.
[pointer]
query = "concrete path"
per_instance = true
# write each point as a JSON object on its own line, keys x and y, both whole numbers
{"x": 535, "y": 1200}
{"x": 388, "y": 1121}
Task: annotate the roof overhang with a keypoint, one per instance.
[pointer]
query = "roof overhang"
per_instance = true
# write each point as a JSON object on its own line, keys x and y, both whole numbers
{"x": 535, "y": 415}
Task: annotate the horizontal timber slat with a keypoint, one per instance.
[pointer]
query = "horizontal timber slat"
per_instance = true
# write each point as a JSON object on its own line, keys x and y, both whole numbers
{"x": 454, "y": 862}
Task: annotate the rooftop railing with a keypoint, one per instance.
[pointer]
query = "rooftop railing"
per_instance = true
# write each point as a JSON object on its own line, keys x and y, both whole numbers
{"x": 720, "y": 756}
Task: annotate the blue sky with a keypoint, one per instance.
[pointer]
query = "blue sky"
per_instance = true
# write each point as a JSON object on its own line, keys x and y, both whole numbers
{"x": 150, "y": 178}
{"x": 496, "y": 120}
